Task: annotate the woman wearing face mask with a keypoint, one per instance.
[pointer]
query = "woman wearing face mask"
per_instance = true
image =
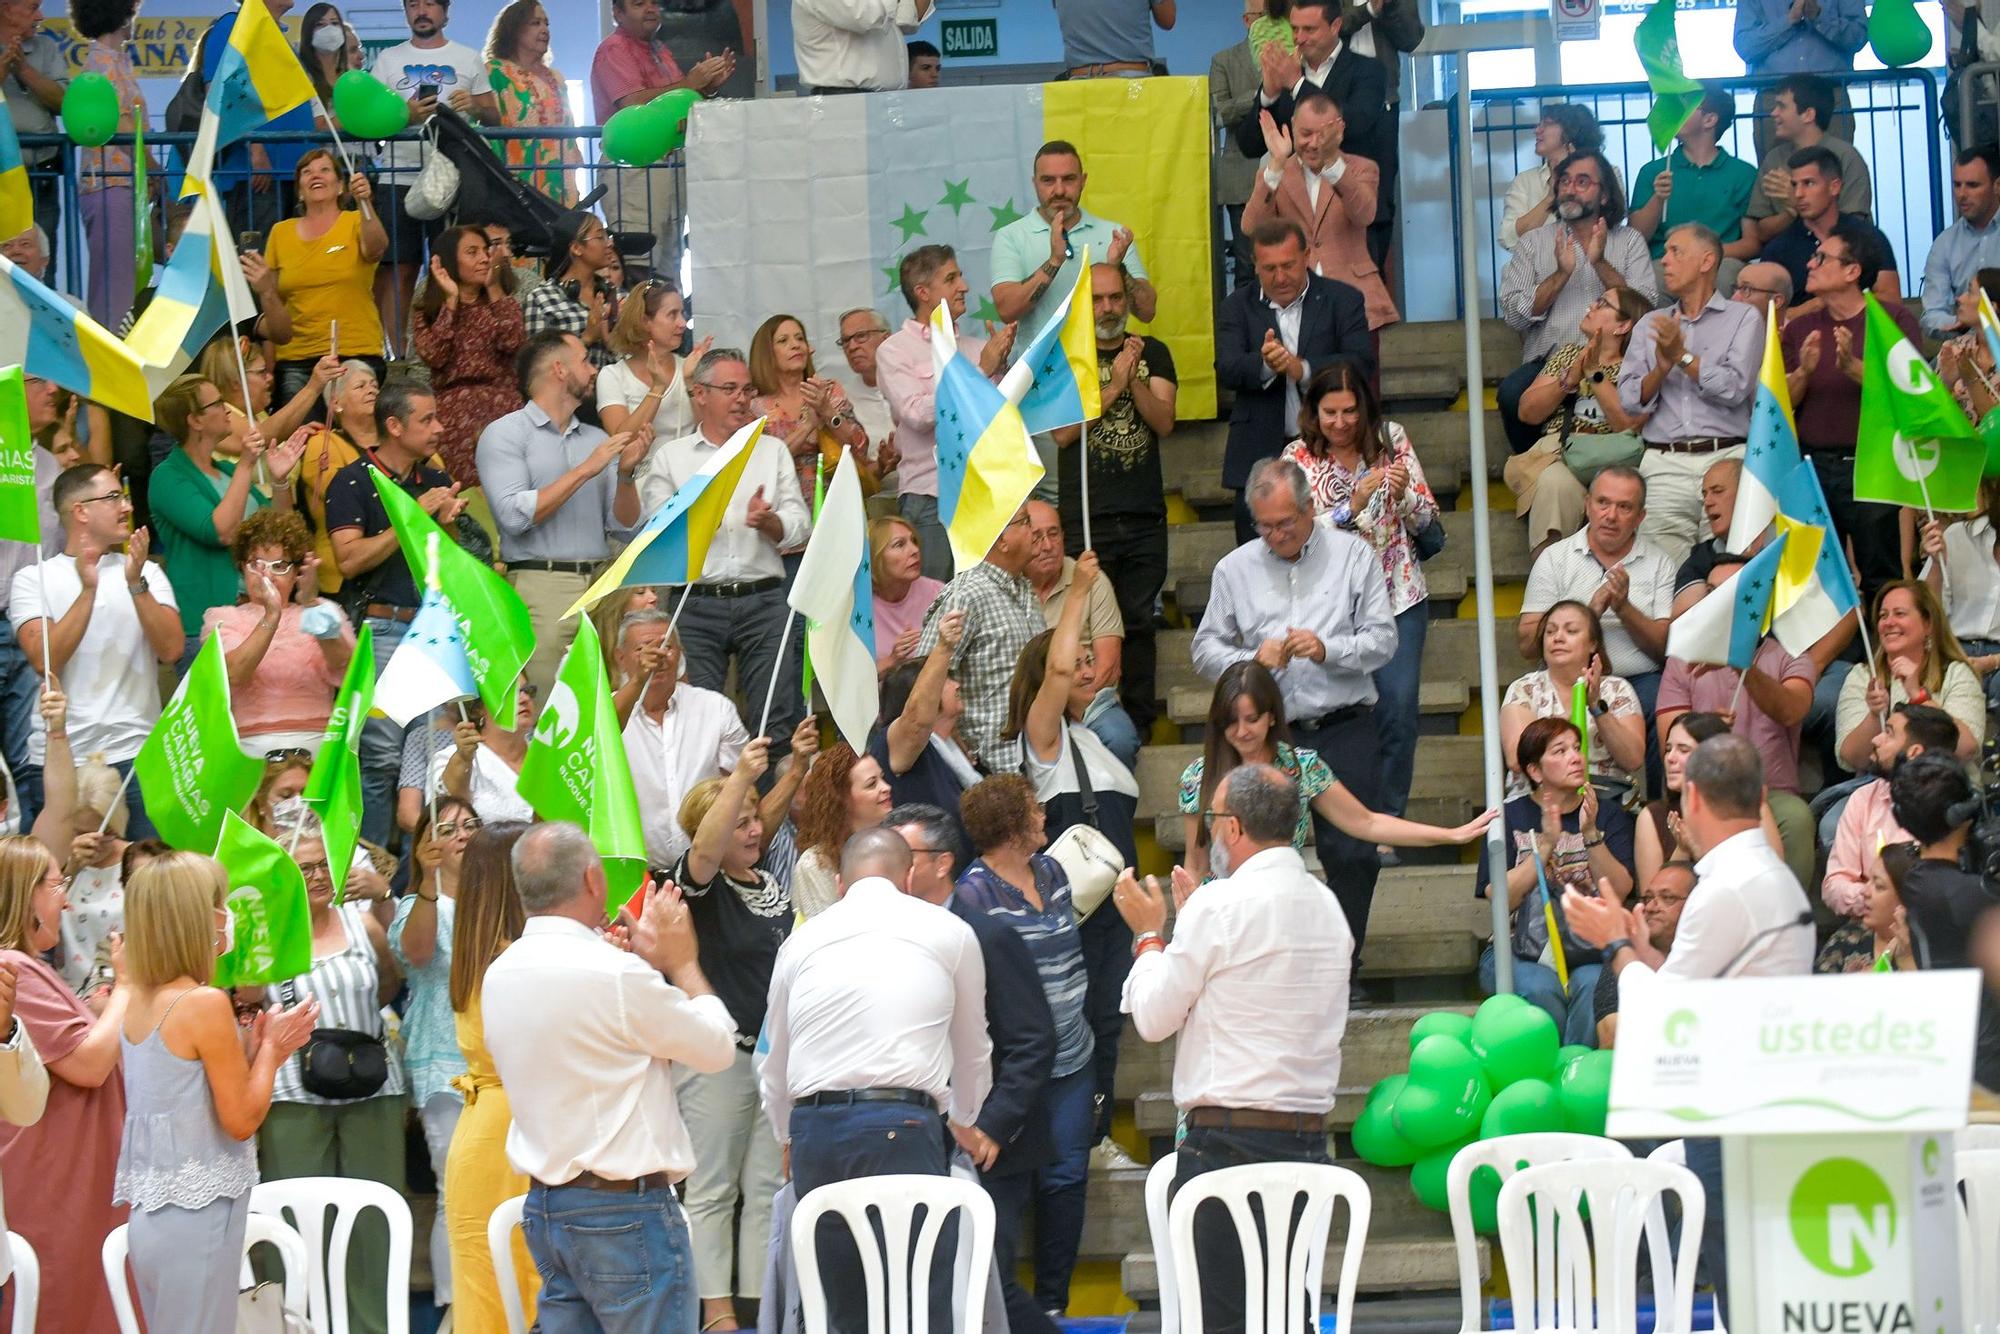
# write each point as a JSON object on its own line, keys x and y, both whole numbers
{"x": 467, "y": 330}
{"x": 197, "y": 1090}
{"x": 323, "y": 52}
{"x": 421, "y": 939}
{"x": 483, "y": 765}
{"x": 649, "y": 386}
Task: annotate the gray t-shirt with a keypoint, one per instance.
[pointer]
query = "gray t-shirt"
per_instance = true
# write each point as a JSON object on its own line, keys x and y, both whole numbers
{"x": 1105, "y": 32}
{"x": 29, "y": 115}
{"x": 1856, "y": 192}
{"x": 453, "y": 67}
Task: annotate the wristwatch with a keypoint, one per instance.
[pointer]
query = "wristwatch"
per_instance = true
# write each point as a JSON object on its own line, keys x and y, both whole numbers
{"x": 1595, "y": 841}
{"x": 1687, "y": 360}
{"x": 1611, "y": 947}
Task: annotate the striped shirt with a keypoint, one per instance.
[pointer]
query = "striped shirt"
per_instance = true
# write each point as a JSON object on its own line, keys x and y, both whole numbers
{"x": 1053, "y": 941}
{"x": 348, "y": 986}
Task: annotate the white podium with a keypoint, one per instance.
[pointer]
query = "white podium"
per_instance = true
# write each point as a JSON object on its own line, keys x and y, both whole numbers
{"x": 1835, "y": 1099}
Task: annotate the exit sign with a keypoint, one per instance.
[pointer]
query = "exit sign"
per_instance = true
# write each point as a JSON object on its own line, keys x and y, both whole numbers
{"x": 971, "y": 37}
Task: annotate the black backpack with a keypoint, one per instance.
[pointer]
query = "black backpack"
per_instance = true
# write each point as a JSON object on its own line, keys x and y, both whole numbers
{"x": 183, "y": 113}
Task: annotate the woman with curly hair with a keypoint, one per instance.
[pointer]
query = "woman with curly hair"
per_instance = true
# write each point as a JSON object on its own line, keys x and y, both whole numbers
{"x": 530, "y": 91}
{"x": 467, "y": 330}
{"x": 843, "y": 794}
{"x": 286, "y": 646}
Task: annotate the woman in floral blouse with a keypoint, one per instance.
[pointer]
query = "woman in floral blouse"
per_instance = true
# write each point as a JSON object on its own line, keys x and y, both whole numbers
{"x": 531, "y": 93}
{"x": 1365, "y": 476}
{"x": 1572, "y": 651}
{"x": 467, "y": 330}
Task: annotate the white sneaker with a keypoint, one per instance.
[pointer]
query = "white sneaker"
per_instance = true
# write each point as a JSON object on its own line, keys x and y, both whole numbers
{"x": 1110, "y": 1156}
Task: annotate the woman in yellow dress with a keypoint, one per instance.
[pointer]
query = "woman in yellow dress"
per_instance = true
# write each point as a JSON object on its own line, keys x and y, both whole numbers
{"x": 477, "y": 1175}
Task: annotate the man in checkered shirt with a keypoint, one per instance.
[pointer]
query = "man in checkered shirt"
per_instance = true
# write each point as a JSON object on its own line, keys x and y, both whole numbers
{"x": 1002, "y": 615}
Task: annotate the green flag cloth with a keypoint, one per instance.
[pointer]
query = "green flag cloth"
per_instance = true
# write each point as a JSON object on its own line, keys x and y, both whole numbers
{"x": 142, "y": 213}
{"x": 267, "y": 899}
{"x": 1675, "y": 95}
{"x": 20, "y": 510}
{"x": 1914, "y": 445}
{"x": 575, "y": 768}
{"x": 192, "y": 769}
{"x": 333, "y": 789}
{"x": 492, "y": 619}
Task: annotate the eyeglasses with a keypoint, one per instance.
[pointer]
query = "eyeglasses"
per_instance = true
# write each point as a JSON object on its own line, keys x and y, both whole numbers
{"x": 930, "y": 852}
{"x": 1018, "y": 521}
{"x": 446, "y": 828}
{"x": 274, "y": 566}
{"x": 108, "y": 495}
{"x": 316, "y": 870}
{"x": 1281, "y": 526}
{"x": 288, "y": 754}
{"x": 1661, "y": 900}
{"x": 1752, "y": 287}
{"x": 209, "y": 406}
{"x": 849, "y": 340}
{"x": 727, "y": 390}
{"x": 1209, "y": 818}
{"x": 1826, "y": 257}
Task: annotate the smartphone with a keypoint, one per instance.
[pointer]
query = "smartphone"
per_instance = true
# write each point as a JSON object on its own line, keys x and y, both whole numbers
{"x": 250, "y": 241}
{"x": 427, "y": 90}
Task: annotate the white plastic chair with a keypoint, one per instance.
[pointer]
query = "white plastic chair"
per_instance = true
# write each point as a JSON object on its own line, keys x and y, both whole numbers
{"x": 1279, "y": 1285}
{"x": 291, "y": 1248}
{"x": 500, "y": 1225}
{"x": 1159, "y": 1183}
{"x": 1978, "y": 1173}
{"x": 1658, "y": 1246}
{"x": 893, "y": 1201}
{"x": 302, "y": 1202}
{"x": 1506, "y": 1155}
{"x": 27, "y": 1281}
{"x": 1543, "y": 1230}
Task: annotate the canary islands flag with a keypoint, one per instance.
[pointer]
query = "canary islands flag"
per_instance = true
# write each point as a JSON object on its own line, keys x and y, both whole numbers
{"x": 201, "y": 289}
{"x": 672, "y": 546}
{"x": 986, "y": 464}
{"x": 54, "y": 341}
{"x": 1989, "y": 324}
{"x": 835, "y": 592}
{"x": 17, "y": 201}
{"x": 1726, "y": 627}
{"x": 1773, "y": 449}
{"x": 258, "y": 79}
{"x": 1806, "y": 612}
{"x": 1055, "y": 381}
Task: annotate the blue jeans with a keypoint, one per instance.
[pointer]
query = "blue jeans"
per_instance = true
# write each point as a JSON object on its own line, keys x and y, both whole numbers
{"x": 922, "y": 513}
{"x": 381, "y": 752}
{"x": 1396, "y": 686}
{"x": 1575, "y": 1012}
{"x": 1985, "y": 648}
{"x": 1072, "y": 1106}
{"x": 611, "y": 1261}
{"x": 20, "y": 694}
{"x": 867, "y": 1139}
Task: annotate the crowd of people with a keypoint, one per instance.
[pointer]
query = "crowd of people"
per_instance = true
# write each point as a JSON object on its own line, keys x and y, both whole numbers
{"x": 923, "y": 950}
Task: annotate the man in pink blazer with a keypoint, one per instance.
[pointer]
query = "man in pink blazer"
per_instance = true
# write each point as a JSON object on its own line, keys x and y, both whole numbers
{"x": 1305, "y": 177}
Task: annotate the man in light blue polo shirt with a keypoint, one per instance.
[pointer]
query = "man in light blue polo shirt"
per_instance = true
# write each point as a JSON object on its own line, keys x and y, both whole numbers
{"x": 1970, "y": 244}
{"x": 1111, "y": 39}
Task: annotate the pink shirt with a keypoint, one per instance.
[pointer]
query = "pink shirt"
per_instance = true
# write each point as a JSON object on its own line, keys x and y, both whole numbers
{"x": 908, "y": 381}
{"x": 1866, "y": 819}
{"x": 623, "y": 65}
{"x": 292, "y": 689}
{"x": 894, "y": 619}
{"x": 1711, "y": 692}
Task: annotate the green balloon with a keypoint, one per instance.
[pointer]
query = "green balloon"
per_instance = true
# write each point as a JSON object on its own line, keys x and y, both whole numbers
{"x": 1428, "y": 1176}
{"x": 1570, "y": 1051}
{"x": 1525, "y": 1107}
{"x": 90, "y": 110}
{"x": 1375, "y": 1136}
{"x": 1989, "y": 431}
{"x": 637, "y": 136}
{"x": 1483, "y": 1193}
{"x": 1514, "y": 1042}
{"x": 1897, "y": 33}
{"x": 1584, "y": 1089}
{"x": 367, "y": 108}
{"x": 1446, "y": 1022}
{"x": 675, "y": 107}
{"x": 1445, "y": 1097}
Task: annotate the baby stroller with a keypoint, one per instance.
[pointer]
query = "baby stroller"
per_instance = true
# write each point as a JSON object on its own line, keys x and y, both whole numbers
{"x": 488, "y": 190}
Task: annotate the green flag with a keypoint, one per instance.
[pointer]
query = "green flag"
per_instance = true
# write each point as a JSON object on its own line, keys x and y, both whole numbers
{"x": 142, "y": 213}
{"x": 267, "y": 899}
{"x": 1675, "y": 95}
{"x": 20, "y": 508}
{"x": 333, "y": 790}
{"x": 575, "y": 768}
{"x": 492, "y": 619}
{"x": 1913, "y": 445}
{"x": 192, "y": 769}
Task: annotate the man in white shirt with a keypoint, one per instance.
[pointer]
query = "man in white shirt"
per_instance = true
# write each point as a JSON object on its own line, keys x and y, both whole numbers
{"x": 676, "y": 735}
{"x": 877, "y": 1033}
{"x": 862, "y": 330}
{"x": 111, "y": 621}
{"x": 737, "y": 608}
{"x": 854, "y": 46}
{"x": 1255, "y": 985}
{"x": 587, "y": 1038}
{"x": 1308, "y": 602}
{"x": 1747, "y": 917}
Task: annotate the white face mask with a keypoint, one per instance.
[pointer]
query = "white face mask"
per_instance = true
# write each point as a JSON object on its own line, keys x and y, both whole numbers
{"x": 288, "y": 811}
{"x": 329, "y": 38}
{"x": 228, "y": 934}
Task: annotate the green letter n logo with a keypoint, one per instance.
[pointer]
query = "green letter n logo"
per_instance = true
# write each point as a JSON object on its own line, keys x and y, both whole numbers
{"x": 1843, "y": 1217}
{"x": 1681, "y": 1028}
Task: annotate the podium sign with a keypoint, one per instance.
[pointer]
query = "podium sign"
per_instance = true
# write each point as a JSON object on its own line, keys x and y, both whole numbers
{"x": 1835, "y": 1098}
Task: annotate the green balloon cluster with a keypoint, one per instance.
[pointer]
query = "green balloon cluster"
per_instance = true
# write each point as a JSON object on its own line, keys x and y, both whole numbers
{"x": 90, "y": 110}
{"x": 1499, "y": 1071}
{"x": 1898, "y": 33}
{"x": 367, "y": 108}
{"x": 641, "y": 135}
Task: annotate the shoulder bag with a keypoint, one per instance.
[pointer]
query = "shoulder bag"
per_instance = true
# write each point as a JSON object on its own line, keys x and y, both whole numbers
{"x": 339, "y": 1063}
{"x": 1092, "y": 862}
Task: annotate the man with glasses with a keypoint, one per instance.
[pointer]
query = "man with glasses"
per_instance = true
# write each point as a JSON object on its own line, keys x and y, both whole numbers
{"x": 676, "y": 733}
{"x": 1765, "y": 285}
{"x": 737, "y": 608}
{"x": 1002, "y": 614}
{"x": 20, "y": 682}
{"x": 1307, "y": 601}
{"x": 1660, "y": 906}
{"x": 1051, "y": 573}
{"x": 109, "y": 622}
{"x": 861, "y": 333}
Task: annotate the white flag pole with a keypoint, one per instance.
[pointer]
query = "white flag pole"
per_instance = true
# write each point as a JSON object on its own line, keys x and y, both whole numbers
{"x": 771, "y": 690}
{"x": 112, "y": 805}
{"x": 48, "y": 621}
{"x": 679, "y": 607}
{"x": 346, "y": 162}
{"x": 1737, "y": 697}
{"x": 1083, "y": 478}
{"x": 1930, "y": 516}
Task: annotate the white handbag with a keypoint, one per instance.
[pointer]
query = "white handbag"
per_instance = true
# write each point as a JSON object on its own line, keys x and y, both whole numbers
{"x": 431, "y": 195}
{"x": 1093, "y": 864}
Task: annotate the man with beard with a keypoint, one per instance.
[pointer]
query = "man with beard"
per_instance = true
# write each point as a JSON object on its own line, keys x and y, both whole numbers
{"x": 1128, "y": 508}
{"x": 1867, "y": 820}
{"x": 1560, "y": 268}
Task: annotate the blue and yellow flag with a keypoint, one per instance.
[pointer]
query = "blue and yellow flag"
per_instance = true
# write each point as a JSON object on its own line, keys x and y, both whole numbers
{"x": 1726, "y": 627}
{"x": 1055, "y": 380}
{"x": 672, "y": 546}
{"x": 1773, "y": 449}
{"x": 258, "y": 79}
{"x": 17, "y": 200}
{"x": 986, "y": 464}
{"x": 1989, "y": 325}
{"x": 53, "y": 340}
{"x": 201, "y": 289}
{"x": 1810, "y": 605}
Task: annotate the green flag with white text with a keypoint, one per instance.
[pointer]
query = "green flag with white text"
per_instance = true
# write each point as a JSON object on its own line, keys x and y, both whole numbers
{"x": 575, "y": 768}
{"x": 492, "y": 619}
{"x": 267, "y": 901}
{"x": 333, "y": 790}
{"x": 192, "y": 769}
{"x": 20, "y": 508}
{"x": 1914, "y": 445}
{"x": 1675, "y": 95}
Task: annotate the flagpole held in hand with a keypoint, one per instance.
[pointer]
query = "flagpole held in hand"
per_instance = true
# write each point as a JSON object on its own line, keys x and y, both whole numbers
{"x": 48, "y": 621}
{"x": 346, "y": 162}
{"x": 430, "y": 749}
{"x": 1083, "y": 478}
{"x": 771, "y": 690}
{"x": 1737, "y": 697}
{"x": 679, "y": 607}
{"x": 1930, "y": 516}
{"x": 112, "y": 805}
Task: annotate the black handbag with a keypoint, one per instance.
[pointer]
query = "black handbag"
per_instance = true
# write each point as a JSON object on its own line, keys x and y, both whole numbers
{"x": 339, "y": 1064}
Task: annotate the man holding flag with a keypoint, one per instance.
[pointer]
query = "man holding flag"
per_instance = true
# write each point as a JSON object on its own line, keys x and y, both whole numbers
{"x": 257, "y": 178}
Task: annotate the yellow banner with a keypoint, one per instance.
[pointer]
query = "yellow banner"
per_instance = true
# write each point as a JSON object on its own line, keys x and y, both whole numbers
{"x": 160, "y": 47}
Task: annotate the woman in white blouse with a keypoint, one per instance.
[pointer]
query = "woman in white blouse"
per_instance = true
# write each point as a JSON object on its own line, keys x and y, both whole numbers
{"x": 1572, "y": 651}
{"x": 1565, "y": 128}
{"x": 1968, "y": 547}
{"x": 1918, "y": 661}
{"x": 647, "y": 387}
{"x": 483, "y": 765}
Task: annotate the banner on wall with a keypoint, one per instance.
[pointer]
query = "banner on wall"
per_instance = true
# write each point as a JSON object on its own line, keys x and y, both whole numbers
{"x": 807, "y": 206}
{"x": 160, "y": 47}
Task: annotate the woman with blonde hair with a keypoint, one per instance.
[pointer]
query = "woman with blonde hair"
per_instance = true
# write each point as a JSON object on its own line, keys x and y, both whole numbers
{"x": 477, "y": 1176}
{"x": 96, "y": 883}
{"x": 648, "y": 386}
{"x": 903, "y": 592}
{"x": 218, "y": 365}
{"x": 197, "y": 1090}
{"x": 1917, "y": 661}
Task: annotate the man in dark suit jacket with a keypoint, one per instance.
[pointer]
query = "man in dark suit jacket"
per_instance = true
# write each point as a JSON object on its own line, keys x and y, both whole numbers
{"x": 1266, "y": 361}
{"x": 1357, "y": 84}
{"x": 1012, "y": 1138}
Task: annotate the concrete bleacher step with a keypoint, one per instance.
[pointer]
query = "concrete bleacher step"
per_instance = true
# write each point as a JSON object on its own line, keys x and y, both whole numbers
{"x": 1388, "y": 1265}
{"x": 1428, "y": 341}
{"x": 1191, "y": 458}
{"x": 1375, "y": 1046}
{"x": 1451, "y": 655}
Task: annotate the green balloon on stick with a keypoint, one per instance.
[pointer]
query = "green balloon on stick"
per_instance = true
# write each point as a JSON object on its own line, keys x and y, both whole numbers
{"x": 90, "y": 110}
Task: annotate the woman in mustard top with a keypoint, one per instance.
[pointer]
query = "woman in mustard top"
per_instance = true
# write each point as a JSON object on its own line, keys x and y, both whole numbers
{"x": 324, "y": 262}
